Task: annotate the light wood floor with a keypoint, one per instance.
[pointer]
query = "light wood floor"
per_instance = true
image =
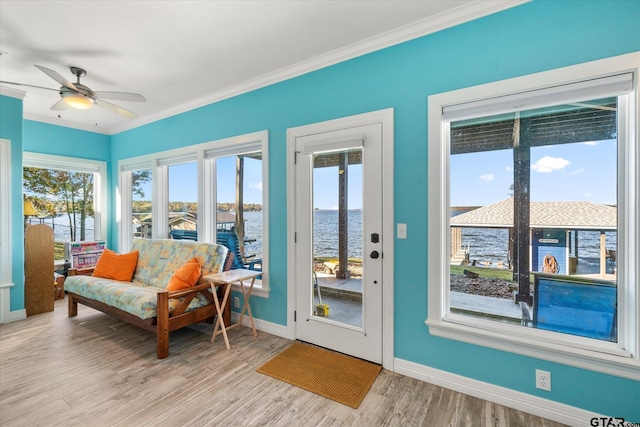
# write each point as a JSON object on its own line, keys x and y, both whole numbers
{"x": 95, "y": 370}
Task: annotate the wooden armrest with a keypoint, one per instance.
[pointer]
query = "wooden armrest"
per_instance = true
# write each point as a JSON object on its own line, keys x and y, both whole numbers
{"x": 184, "y": 292}
{"x": 80, "y": 272}
{"x": 188, "y": 294}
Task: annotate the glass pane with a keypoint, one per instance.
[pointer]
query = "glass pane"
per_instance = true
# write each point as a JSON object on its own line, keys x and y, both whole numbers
{"x": 239, "y": 208}
{"x": 534, "y": 217}
{"x": 337, "y": 237}
{"x": 183, "y": 201}
{"x": 141, "y": 203}
{"x": 64, "y": 200}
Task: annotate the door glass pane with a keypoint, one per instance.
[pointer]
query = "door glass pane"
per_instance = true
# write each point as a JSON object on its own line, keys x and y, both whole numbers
{"x": 183, "y": 201}
{"x": 141, "y": 203}
{"x": 337, "y": 237}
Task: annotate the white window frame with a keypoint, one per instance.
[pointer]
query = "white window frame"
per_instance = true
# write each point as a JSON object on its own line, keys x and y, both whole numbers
{"x": 204, "y": 154}
{"x": 620, "y": 359}
{"x": 97, "y": 167}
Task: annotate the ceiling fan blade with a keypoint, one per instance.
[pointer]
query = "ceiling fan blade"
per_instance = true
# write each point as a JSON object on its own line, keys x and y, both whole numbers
{"x": 118, "y": 110}
{"x": 57, "y": 77}
{"x": 26, "y": 85}
{"x": 120, "y": 96}
{"x": 60, "y": 106}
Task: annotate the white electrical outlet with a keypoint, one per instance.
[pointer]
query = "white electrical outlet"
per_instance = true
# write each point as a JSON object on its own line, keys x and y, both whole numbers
{"x": 543, "y": 380}
{"x": 236, "y": 302}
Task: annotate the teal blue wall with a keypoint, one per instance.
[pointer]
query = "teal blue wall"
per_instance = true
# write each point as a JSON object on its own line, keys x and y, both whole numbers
{"x": 11, "y": 129}
{"x": 62, "y": 141}
{"x": 534, "y": 37}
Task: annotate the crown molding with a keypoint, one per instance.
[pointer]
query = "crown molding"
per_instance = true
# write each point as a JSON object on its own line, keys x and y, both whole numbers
{"x": 65, "y": 123}
{"x": 451, "y": 18}
{"x": 13, "y": 93}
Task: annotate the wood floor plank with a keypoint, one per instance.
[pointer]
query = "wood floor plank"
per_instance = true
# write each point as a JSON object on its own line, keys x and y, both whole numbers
{"x": 96, "y": 370}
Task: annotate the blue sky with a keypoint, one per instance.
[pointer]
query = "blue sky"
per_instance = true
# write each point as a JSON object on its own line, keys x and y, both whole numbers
{"x": 564, "y": 172}
{"x": 325, "y": 189}
{"x": 183, "y": 184}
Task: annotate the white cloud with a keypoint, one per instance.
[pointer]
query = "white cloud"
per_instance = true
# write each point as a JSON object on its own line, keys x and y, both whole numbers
{"x": 487, "y": 177}
{"x": 549, "y": 164}
{"x": 257, "y": 186}
{"x": 509, "y": 168}
{"x": 591, "y": 143}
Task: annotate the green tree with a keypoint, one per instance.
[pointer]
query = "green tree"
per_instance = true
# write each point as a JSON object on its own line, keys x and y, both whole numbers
{"x": 138, "y": 178}
{"x": 54, "y": 191}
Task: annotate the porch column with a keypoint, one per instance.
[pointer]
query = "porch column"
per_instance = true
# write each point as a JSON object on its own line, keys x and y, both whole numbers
{"x": 343, "y": 212}
{"x": 521, "y": 208}
{"x": 603, "y": 253}
{"x": 240, "y": 203}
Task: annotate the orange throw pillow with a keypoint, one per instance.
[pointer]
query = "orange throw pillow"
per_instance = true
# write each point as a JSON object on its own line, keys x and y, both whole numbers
{"x": 186, "y": 276}
{"x": 116, "y": 267}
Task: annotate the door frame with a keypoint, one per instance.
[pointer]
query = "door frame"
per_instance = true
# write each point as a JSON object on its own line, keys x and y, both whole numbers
{"x": 6, "y": 246}
{"x": 385, "y": 118}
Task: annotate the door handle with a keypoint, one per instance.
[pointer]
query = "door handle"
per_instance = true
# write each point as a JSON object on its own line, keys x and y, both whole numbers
{"x": 374, "y": 255}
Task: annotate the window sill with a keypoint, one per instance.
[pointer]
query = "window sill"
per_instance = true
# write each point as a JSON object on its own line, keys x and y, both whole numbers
{"x": 533, "y": 343}
{"x": 258, "y": 290}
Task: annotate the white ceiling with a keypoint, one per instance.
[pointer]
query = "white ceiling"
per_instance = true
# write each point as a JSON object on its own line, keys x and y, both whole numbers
{"x": 184, "y": 54}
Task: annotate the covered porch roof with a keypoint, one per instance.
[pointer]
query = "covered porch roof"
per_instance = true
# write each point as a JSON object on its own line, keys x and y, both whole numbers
{"x": 563, "y": 215}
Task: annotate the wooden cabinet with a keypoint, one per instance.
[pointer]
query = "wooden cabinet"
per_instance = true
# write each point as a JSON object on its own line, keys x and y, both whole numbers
{"x": 38, "y": 269}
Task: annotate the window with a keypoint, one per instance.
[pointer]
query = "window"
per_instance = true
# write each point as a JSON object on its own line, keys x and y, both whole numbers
{"x": 141, "y": 218}
{"x": 68, "y": 194}
{"x": 183, "y": 200}
{"x": 199, "y": 192}
{"x": 245, "y": 170}
{"x": 534, "y": 216}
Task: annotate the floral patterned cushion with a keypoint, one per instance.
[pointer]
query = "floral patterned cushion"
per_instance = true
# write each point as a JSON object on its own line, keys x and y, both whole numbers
{"x": 134, "y": 298}
{"x": 157, "y": 261}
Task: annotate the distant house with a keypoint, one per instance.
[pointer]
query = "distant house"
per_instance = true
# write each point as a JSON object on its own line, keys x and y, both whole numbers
{"x": 142, "y": 222}
{"x": 554, "y": 228}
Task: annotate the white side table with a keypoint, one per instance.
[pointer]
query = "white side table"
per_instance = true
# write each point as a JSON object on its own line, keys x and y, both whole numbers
{"x": 226, "y": 278}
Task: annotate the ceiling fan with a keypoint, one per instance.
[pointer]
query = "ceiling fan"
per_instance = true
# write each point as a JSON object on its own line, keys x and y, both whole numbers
{"x": 81, "y": 97}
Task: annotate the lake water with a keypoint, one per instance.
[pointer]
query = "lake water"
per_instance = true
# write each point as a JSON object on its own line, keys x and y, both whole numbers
{"x": 61, "y": 229}
{"x": 325, "y": 226}
{"x": 325, "y": 223}
{"x": 484, "y": 244}
{"x": 325, "y": 230}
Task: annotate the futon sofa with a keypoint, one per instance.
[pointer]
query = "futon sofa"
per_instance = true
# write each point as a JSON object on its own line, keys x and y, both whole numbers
{"x": 144, "y": 301}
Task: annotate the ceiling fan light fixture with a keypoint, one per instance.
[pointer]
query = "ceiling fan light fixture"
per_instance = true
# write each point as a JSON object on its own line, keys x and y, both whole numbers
{"x": 77, "y": 100}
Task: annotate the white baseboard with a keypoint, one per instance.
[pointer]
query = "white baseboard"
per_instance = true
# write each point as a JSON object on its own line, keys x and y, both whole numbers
{"x": 18, "y": 315}
{"x": 263, "y": 325}
{"x": 528, "y": 403}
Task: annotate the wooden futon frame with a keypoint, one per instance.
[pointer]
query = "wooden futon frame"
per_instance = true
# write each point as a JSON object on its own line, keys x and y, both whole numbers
{"x": 164, "y": 322}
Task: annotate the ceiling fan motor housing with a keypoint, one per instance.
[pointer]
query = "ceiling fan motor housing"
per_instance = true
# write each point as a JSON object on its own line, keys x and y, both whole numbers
{"x": 81, "y": 99}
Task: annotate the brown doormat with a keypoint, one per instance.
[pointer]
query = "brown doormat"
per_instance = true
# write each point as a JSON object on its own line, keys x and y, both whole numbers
{"x": 336, "y": 376}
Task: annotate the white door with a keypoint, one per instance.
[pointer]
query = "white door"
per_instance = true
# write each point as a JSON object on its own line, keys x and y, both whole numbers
{"x": 338, "y": 247}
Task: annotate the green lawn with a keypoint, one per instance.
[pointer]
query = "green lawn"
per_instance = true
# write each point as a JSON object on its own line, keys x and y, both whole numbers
{"x": 484, "y": 272}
